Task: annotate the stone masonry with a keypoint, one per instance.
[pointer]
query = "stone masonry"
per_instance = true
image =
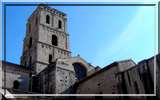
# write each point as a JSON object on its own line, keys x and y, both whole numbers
{"x": 47, "y": 66}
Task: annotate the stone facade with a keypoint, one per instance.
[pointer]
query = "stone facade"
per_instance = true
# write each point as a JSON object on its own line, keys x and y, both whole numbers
{"x": 110, "y": 80}
{"x": 47, "y": 66}
{"x": 48, "y": 48}
{"x": 15, "y": 74}
{"x": 136, "y": 79}
{"x": 46, "y": 36}
{"x": 60, "y": 76}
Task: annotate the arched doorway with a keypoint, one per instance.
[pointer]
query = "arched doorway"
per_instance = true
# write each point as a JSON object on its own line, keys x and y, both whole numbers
{"x": 16, "y": 84}
{"x": 80, "y": 70}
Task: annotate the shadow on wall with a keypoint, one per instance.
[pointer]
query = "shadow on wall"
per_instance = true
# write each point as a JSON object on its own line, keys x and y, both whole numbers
{"x": 80, "y": 71}
{"x": 21, "y": 83}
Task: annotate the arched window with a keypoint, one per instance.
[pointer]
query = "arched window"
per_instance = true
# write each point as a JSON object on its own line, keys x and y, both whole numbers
{"x": 59, "y": 24}
{"x": 80, "y": 71}
{"x": 47, "y": 19}
{"x": 54, "y": 40}
{"x": 16, "y": 84}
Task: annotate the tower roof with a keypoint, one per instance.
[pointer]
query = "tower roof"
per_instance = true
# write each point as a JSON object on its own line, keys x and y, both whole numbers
{"x": 46, "y": 7}
{"x": 50, "y": 9}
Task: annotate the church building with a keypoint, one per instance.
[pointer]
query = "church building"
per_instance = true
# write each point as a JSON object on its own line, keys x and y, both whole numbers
{"x": 47, "y": 66}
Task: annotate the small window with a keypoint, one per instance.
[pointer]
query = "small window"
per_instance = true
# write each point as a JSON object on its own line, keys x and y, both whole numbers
{"x": 30, "y": 42}
{"x": 16, "y": 84}
{"x": 54, "y": 40}
{"x": 59, "y": 24}
{"x": 47, "y": 19}
{"x": 50, "y": 58}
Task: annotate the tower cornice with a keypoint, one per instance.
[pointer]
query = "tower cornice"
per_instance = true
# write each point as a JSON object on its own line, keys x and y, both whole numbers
{"x": 53, "y": 46}
{"x": 56, "y": 30}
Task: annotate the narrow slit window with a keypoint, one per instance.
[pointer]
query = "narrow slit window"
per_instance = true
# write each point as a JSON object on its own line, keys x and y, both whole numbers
{"x": 30, "y": 42}
{"x": 29, "y": 28}
{"x": 47, "y": 19}
{"x": 50, "y": 58}
{"x": 36, "y": 20}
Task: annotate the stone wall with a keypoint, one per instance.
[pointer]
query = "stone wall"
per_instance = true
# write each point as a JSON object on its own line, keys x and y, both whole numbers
{"x": 125, "y": 77}
{"x": 40, "y": 32}
{"x": 65, "y": 80}
{"x": 146, "y": 74}
{"x": 57, "y": 77}
{"x": 99, "y": 83}
{"x": 138, "y": 79}
{"x": 44, "y": 82}
{"x": 129, "y": 82}
{"x": 14, "y": 73}
{"x": 104, "y": 81}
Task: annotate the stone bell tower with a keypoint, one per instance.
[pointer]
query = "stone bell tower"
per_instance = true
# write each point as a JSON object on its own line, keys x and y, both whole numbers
{"x": 46, "y": 38}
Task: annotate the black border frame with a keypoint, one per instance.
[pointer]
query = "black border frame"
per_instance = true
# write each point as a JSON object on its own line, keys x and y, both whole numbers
{"x": 5, "y": 4}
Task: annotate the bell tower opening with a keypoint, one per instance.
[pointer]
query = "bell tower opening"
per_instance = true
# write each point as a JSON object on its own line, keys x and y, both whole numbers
{"x": 54, "y": 40}
{"x": 59, "y": 24}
